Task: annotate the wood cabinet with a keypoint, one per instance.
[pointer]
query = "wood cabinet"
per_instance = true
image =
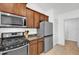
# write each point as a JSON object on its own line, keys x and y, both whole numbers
{"x": 14, "y": 8}
{"x": 40, "y": 45}
{"x": 36, "y": 46}
{"x": 46, "y": 18}
{"x": 33, "y": 18}
{"x": 42, "y": 17}
{"x": 36, "y": 19}
{"x": 33, "y": 47}
{"x": 6, "y": 7}
{"x": 19, "y": 9}
{"x": 30, "y": 18}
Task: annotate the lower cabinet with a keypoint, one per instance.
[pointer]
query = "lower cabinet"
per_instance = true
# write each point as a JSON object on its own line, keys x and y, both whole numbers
{"x": 36, "y": 47}
{"x": 40, "y": 46}
{"x": 33, "y": 47}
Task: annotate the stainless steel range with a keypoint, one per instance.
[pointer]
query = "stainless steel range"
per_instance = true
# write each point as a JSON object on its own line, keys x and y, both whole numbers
{"x": 14, "y": 44}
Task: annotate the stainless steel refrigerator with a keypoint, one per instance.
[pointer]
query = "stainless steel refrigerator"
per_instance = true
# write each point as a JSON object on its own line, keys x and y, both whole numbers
{"x": 46, "y": 31}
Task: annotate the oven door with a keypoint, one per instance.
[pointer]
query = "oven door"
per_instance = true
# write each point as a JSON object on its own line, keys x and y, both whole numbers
{"x": 18, "y": 51}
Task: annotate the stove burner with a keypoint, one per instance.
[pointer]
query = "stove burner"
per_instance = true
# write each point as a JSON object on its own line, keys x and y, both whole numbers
{"x": 14, "y": 43}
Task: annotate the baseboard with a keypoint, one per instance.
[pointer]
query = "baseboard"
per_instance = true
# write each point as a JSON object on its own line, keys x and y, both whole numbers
{"x": 71, "y": 40}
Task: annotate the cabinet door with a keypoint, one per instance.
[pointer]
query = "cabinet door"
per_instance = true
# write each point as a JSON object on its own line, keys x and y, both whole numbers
{"x": 6, "y": 7}
{"x": 42, "y": 17}
{"x": 36, "y": 20}
{"x": 33, "y": 47}
{"x": 23, "y": 9}
{"x": 40, "y": 46}
{"x": 46, "y": 18}
{"x": 30, "y": 18}
{"x": 19, "y": 9}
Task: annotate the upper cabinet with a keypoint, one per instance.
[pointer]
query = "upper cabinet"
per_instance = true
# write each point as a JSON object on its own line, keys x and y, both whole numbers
{"x": 30, "y": 18}
{"x": 19, "y": 9}
{"x": 15, "y": 8}
{"x": 46, "y": 18}
{"x": 6, "y": 7}
{"x": 42, "y": 17}
{"x": 33, "y": 18}
{"x": 36, "y": 19}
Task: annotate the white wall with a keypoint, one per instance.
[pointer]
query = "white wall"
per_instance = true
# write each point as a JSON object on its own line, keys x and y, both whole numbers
{"x": 72, "y": 29}
{"x": 61, "y": 24}
{"x": 61, "y": 40}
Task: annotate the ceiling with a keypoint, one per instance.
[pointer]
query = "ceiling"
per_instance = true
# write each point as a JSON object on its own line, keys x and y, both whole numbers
{"x": 59, "y": 7}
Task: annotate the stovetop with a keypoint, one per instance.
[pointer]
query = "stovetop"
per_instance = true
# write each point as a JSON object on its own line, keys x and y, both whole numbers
{"x": 11, "y": 43}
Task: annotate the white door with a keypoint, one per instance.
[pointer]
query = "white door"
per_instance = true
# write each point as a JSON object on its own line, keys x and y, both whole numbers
{"x": 71, "y": 29}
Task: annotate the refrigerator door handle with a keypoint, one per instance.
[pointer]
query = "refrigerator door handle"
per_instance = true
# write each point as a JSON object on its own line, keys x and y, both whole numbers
{"x": 48, "y": 35}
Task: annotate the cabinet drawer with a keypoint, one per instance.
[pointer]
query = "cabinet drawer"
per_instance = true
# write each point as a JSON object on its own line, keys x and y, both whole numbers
{"x": 33, "y": 42}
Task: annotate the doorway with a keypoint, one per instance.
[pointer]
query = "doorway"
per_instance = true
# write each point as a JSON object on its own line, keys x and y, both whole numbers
{"x": 72, "y": 30}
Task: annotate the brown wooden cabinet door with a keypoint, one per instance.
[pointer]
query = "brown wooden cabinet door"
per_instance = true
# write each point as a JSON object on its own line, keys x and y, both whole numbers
{"x": 23, "y": 12}
{"x": 42, "y": 17}
{"x": 33, "y": 47}
{"x": 15, "y": 8}
{"x": 40, "y": 46}
{"x": 46, "y": 18}
{"x": 36, "y": 20}
{"x": 36, "y": 47}
{"x": 6, "y": 7}
{"x": 30, "y": 18}
{"x": 19, "y": 9}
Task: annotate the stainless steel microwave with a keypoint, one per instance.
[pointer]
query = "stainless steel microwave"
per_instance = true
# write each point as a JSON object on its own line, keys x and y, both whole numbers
{"x": 7, "y": 19}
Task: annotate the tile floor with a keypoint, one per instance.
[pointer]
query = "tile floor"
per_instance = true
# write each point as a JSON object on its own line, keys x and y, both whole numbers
{"x": 70, "y": 48}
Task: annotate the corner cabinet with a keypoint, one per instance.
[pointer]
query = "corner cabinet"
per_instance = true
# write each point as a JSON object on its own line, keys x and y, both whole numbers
{"x": 46, "y": 18}
{"x": 43, "y": 17}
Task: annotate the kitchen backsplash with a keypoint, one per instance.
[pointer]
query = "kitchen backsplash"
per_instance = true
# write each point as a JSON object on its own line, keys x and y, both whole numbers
{"x": 5, "y": 30}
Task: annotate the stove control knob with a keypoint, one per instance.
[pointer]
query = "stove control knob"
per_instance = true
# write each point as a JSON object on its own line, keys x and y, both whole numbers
{"x": 11, "y": 47}
{"x": 23, "y": 43}
{"x": 17, "y": 45}
{"x": 6, "y": 48}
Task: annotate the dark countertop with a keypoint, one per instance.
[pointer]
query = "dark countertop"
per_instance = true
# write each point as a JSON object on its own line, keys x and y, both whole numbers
{"x": 33, "y": 37}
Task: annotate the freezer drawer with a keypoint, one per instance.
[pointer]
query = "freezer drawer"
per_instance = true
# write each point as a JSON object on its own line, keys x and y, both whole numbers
{"x": 48, "y": 43}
